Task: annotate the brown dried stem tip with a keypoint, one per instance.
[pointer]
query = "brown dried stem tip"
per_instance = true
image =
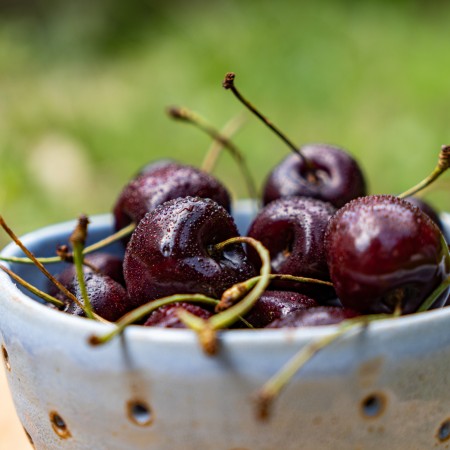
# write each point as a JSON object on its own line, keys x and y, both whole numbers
{"x": 442, "y": 165}
{"x": 177, "y": 113}
{"x": 79, "y": 234}
{"x": 228, "y": 83}
{"x": 444, "y": 157}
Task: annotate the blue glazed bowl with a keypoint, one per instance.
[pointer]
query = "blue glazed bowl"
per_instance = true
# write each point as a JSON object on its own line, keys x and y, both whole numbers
{"x": 385, "y": 386}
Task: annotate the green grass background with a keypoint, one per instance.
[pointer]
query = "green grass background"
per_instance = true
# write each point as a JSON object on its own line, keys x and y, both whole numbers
{"x": 83, "y": 90}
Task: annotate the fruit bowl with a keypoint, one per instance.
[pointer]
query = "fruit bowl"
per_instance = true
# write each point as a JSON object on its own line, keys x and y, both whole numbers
{"x": 382, "y": 386}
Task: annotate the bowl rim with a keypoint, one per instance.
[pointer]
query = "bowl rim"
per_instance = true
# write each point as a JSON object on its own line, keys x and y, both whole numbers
{"x": 20, "y": 303}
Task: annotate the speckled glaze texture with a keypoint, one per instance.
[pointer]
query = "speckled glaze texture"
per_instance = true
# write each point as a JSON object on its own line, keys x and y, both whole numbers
{"x": 177, "y": 240}
{"x": 158, "y": 183}
{"x": 381, "y": 387}
{"x": 383, "y": 250}
{"x": 339, "y": 177}
{"x": 293, "y": 231}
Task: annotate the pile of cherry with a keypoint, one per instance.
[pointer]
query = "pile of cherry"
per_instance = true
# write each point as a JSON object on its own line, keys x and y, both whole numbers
{"x": 320, "y": 251}
{"x": 334, "y": 252}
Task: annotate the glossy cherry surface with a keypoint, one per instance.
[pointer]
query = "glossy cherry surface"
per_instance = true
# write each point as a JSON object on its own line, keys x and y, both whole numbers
{"x": 276, "y": 305}
{"x": 105, "y": 263}
{"x": 160, "y": 183}
{"x": 384, "y": 252}
{"x": 172, "y": 251}
{"x": 427, "y": 209}
{"x": 314, "y": 317}
{"x": 108, "y": 298}
{"x": 336, "y": 177}
{"x": 293, "y": 231}
{"x": 166, "y": 316}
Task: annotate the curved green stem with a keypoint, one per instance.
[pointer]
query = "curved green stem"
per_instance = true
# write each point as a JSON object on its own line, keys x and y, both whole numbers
{"x": 272, "y": 388}
{"x": 88, "y": 249}
{"x": 442, "y": 166}
{"x": 144, "y": 310}
{"x": 206, "y": 329}
{"x": 238, "y": 290}
{"x": 41, "y": 294}
{"x": 195, "y": 119}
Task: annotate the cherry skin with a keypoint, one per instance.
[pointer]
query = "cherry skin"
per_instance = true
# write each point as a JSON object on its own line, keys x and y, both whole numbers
{"x": 105, "y": 263}
{"x": 314, "y": 317}
{"x": 166, "y": 316}
{"x": 336, "y": 177}
{"x": 160, "y": 183}
{"x": 109, "y": 299}
{"x": 293, "y": 229}
{"x": 427, "y": 209}
{"x": 172, "y": 252}
{"x": 385, "y": 253}
{"x": 277, "y": 305}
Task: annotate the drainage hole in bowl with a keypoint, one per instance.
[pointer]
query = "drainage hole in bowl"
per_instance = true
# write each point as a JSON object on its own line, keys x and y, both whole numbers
{"x": 373, "y": 405}
{"x": 139, "y": 413}
{"x": 59, "y": 425}
{"x": 6, "y": 358}
{"x": 443, "y": 433}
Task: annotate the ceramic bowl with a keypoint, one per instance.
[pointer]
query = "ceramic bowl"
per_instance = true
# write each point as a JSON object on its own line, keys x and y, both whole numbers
{"x": 385, "y": 386}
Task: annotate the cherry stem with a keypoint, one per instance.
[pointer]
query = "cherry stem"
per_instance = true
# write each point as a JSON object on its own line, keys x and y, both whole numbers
{"x": 206, "y": 329}
{"x": 188, "y": 116}
{"x": 426, "y": 305}
{"x": 89, "y": 249}
{"x": 237, "y": 291}
{"x": 442, "y": 166}
{"x": 146, "y": 309}
{"x": 228, "y": 84}
{"x": 272, "y": 388}
{"x": 41, "y": 294}
{"x": 38, "y": 264}
{"x": 78, "y": 241}
{"x": 44, "y": 271}
{"x": 216, "y": 147}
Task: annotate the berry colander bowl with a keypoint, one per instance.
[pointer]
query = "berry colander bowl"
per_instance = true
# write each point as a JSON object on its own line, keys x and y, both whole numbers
{"x": 383, "y": 386}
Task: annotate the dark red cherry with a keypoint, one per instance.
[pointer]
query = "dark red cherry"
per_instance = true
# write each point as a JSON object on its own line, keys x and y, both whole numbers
{"x": 172, "y": 251}
{"x": 427, "y": 209}
{"x": 383, "y": 252}
{"x": 293, "y": 229}
{"x": 166, "y": 316}
{"x": 108, "y": 298}
{"x": 277, "y": 305}
{"x": 313, "y": 317}
{"x": 105, "y": 263}
{"x": 159, "y": 184}
{"x": 336, "y": 177}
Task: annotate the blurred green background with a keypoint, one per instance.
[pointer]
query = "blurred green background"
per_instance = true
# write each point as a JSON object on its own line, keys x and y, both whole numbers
{"x": 84, "y": 85}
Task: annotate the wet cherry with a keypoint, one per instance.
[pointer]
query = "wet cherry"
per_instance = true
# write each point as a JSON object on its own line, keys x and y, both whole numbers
{"x": 172, "y": 251}
{"x": 274, "y": 305}
{"x": 160, "y": 183}
{"x": 384, "y": 253}
{"x": 293, "y": 231}
{"x": 166, "y": 316}
{"x": 109, "y": 299}
{"x": 313, "y": 317}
